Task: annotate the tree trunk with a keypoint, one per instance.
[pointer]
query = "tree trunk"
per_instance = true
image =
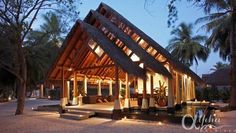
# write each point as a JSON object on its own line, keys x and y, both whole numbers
{"x": 233, "y": 57}
{"x": 22, "y": 71}
{"x": 21, "y": 89}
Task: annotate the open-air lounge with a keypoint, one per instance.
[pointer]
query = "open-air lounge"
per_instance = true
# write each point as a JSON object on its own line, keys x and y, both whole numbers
{"x": 106, "y": 59}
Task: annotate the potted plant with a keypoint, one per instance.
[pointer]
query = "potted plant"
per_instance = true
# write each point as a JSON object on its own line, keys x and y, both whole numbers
{"x": 161, "y": 94}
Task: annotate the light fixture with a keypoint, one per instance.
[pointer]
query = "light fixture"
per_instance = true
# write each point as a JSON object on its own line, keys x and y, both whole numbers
{"x": 210, "y": 126}
{"x": 160, "y": 123}
{"x": 69, "y": 69}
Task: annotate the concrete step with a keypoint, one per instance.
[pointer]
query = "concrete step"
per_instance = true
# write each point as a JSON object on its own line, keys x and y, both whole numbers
{"x": 74, "y": 116}
{"x": 80, "y": 112}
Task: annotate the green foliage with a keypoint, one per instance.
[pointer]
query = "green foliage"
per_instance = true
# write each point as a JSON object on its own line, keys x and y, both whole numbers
{"x": 186, "y": 47}
{"x": 218, "y": 23}
{"x": 161, "y": 91}
{"x": 122, "y": 92}
{"x": 199, "y": 95}
{"x": 54, "y": 94}
{"x": 213, "y": 93}
{"x": 219, "y": 65}
{"x": 41, "y": 48}
{"x": 224, "y": 94}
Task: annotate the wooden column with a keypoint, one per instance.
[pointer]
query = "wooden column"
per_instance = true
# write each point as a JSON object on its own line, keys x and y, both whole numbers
{"x": 127, "y": 92}
{"x": 110, "y": 88}
{"x": 52, "y": 87}
{"x": 68, "y": 90}
{"x": 183, "y": 89}
{"x": 85, "y": 85}
{"x": 151, "y": 100}
{"x": 41, "y": 90}
{"x": 117, "y": 104}
{"x": 75, "y": 90}
{"x": 194, "y": 90}
{"x": 144, "y": 100}
{"x": 178, "y": 99}
{"x": 120, "y": 87}
{"x": 170, "y": 107}
{"x": 63, "y": 100}
{"x": 99, "y": 87}
{"x": 188, "y": 89}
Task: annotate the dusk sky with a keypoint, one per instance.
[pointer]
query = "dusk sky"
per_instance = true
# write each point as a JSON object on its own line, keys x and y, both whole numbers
{"x": 152, "y": 20}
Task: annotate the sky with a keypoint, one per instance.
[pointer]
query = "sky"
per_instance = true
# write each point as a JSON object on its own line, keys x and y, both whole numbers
{"x": 151, "y": 18}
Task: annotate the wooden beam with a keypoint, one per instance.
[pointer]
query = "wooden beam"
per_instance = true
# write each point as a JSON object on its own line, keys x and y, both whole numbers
{"x": 143, "y": 55}
{"x": 113, "y": 51}
{"x": 95, "y": 67}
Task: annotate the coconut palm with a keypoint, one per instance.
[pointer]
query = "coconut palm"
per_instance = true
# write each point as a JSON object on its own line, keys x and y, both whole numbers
{"x": 186, "y": 47}
{"x": 219, "y": 65}
{"x": 41, "y": 48}
{"x": 222, "y": 25}
{"x": 219, "y": 25}
{"x": 50, "y": 32}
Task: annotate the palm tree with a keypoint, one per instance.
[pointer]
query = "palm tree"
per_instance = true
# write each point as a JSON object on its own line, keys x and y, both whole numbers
{"x": 50, "y": 32}
{"x": 222, "y": 26}
{"x": 186, "y": 47}
{"x": 219, "y": 25}
{"x": 219, "y": 65}
{"x": 41, "y": 48}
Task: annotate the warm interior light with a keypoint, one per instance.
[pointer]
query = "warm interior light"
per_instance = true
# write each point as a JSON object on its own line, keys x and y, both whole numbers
{"x": 69, "y": 69}
{"x": 141, "y": 41}
{"x": 210, "y": 127}
{"x": 99, "y": 51}
{"x": 129, "y": 51}
{"x": 185, "y": 76}
{"x": 161, "y": 58}
{"x": 92, "y": 43}
{"x": 141, "y": 65}
{"x": 159, "y": 123}
{"x": 134, "y": 58}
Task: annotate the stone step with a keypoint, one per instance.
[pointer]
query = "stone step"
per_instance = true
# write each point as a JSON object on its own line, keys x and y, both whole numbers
{"x": 74, "y": 116}
{"x": 80, "y": 112}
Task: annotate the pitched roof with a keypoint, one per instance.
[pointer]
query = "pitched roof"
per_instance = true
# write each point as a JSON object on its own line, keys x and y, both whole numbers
{"x": 112, "y": 51}
{"x": 118, "y": 40}
{"x": 146, "y": 58}
{"x": 105, "y": 9}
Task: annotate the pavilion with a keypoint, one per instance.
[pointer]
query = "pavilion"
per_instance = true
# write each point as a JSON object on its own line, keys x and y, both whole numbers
{"x": 106, "y": 49}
